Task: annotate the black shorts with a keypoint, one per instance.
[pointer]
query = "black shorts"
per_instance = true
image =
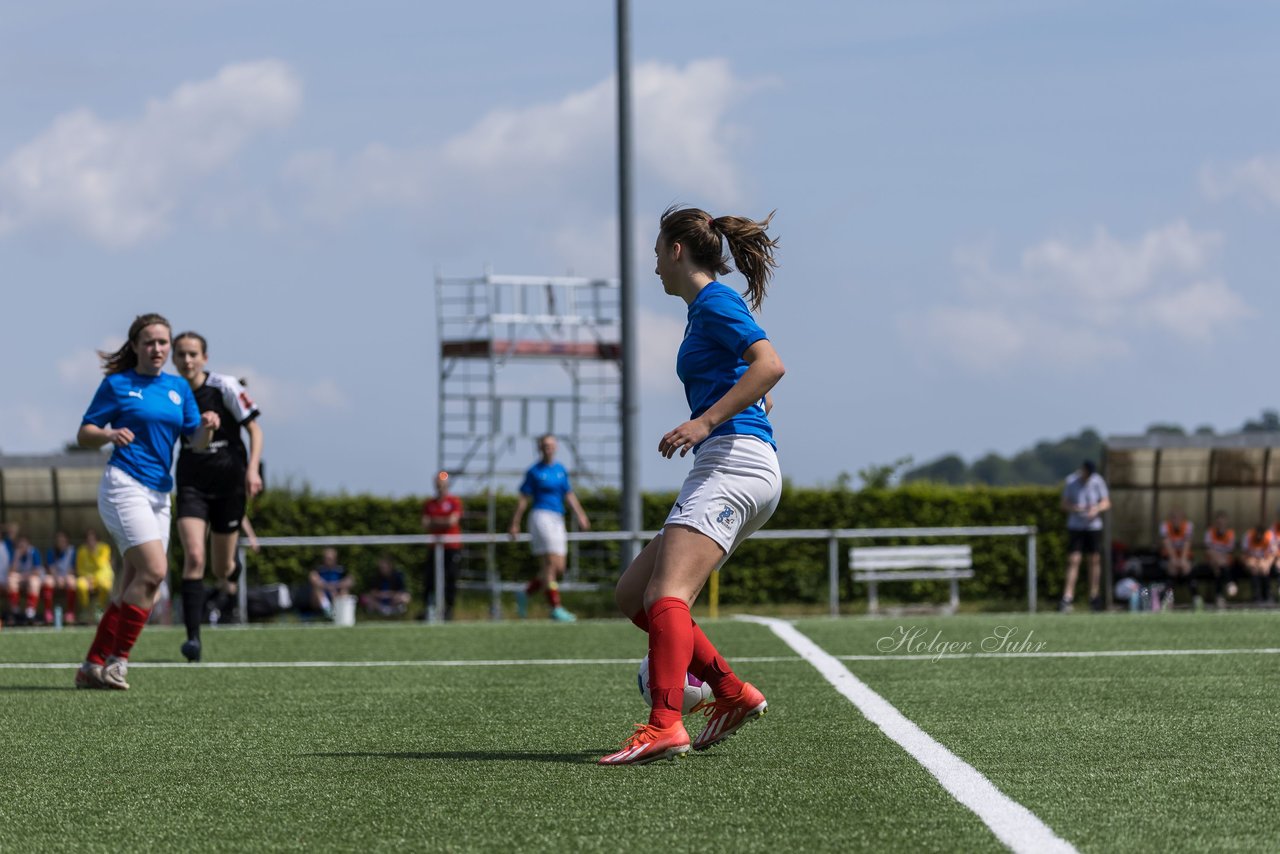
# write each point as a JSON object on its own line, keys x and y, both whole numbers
{"x": 1086, "y": 542}
{"x": 223, "y": 511}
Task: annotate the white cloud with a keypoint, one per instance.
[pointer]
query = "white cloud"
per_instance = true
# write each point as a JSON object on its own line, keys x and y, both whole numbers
{"x": 660, "y": 336}
{"x": 1075, "y": 304}
{"x": 1257, "y": 178}
{"x": 122, "y": 182}
{"x": 283, "y": 400}
{"x": 559, "y": 149}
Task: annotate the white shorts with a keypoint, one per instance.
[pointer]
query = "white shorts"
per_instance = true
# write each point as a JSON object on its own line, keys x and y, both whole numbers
{"x": 134, "y": 514}
{"x": 732, "y": 489}
{"x": 546, "y": 529}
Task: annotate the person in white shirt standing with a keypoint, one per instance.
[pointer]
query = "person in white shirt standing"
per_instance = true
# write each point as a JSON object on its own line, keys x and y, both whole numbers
{"x": 1084, "y": 499}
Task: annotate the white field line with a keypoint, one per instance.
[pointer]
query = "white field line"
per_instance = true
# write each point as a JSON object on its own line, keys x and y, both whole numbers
{"x": 258, "y": 665}
{"x": 1013, "y": 824}
{"x": 520, "y": 662}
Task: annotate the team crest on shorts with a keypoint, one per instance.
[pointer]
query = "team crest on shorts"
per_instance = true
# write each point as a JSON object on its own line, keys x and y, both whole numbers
{"x": 727, "y": 517}
{"x": 175, "y": 397}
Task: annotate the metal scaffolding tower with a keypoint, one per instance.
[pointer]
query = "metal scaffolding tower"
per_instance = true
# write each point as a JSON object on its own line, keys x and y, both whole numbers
{"x": 498, "y": 335}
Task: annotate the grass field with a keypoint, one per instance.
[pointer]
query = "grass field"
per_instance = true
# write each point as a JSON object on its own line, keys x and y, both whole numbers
{"x": 483, "y": 736}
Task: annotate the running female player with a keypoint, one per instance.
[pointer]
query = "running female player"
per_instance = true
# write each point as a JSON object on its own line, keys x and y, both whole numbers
{"x": 546, "y": 485}
{"x": 215, "y": 483}
{"x": 140, "y": 411}
{"x": 728, "y": 367}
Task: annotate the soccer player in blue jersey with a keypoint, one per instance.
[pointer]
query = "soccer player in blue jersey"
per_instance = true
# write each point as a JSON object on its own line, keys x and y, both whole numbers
{"x": 546, "y": 485}
{"x": 141, "y": 412}
{"x": 728, "y": 367}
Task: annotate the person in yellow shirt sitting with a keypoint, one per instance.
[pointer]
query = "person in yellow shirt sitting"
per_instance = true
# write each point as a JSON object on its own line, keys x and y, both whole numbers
{"x": 94, "y": 574}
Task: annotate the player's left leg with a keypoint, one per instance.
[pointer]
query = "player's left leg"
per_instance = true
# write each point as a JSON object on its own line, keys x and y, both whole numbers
{"x": 552, "y": 569}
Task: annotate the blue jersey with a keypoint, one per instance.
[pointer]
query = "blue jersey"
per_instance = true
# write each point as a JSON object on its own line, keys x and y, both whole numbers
{"x": 331, "y": 574}
{"x": 62, "y": 563}
{"x": 547, "y": 485}
{"x": 157, "y": 410}
{"x": 710, "y": 362}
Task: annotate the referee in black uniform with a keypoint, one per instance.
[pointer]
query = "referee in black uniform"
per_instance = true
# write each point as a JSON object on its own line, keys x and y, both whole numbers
{"x": 214, "y": 484}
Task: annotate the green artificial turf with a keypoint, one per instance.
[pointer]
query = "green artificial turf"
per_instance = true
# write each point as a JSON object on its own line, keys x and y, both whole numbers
{"x": 1156, "y": 753}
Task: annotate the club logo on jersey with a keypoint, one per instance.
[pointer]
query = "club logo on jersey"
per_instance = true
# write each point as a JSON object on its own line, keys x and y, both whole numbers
{"x": 727, "y": 518}
{"x": 245, "y": 401}
{"x": 137, "y": 392}
{"x": 173, "y": 396}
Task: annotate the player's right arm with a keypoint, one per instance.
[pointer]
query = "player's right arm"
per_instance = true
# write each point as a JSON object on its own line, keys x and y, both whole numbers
{"x": 521, "y": 503}
{"x": 92, "y": 436}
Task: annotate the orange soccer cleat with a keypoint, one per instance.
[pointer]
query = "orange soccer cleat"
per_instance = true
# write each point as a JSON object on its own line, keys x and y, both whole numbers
{"x": 727, "y": 715}
{"x": 650, "y": 743}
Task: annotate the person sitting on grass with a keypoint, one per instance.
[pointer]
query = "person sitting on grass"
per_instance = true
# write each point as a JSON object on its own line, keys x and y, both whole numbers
{"x": 329, "y": 580}
{"x": 389, "y": 595}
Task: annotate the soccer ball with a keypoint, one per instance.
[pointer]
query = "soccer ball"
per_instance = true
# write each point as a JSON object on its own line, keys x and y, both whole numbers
{"x": 695, "y": 690}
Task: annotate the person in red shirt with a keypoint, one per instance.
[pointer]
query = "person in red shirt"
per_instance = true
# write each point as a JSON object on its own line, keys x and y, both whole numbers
{"x": 442, "y": 515}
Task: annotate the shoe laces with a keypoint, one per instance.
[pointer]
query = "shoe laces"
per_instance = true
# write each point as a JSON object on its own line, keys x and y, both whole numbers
{"x": 715, "y": 705}
{"x": 644, "y": 734}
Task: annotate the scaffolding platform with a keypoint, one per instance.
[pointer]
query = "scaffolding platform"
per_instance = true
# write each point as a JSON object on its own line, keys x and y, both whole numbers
{"x": 521, "y": 357}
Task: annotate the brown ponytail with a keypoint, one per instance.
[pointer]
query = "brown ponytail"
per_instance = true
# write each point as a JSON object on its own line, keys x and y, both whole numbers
{"x": 126, "y": 358}
{"x": 749, "y": 244}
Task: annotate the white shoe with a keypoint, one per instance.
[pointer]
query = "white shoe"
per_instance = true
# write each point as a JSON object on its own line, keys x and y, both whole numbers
{"x": 89, "y": 676}
{"x": 114, "y": 673}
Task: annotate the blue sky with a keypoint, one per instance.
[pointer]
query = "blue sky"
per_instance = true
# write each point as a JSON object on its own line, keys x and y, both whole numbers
{"x": 1000, "y": 221}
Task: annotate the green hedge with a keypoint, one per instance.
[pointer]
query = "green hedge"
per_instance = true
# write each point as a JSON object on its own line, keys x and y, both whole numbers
{"x": 760, "y": 572}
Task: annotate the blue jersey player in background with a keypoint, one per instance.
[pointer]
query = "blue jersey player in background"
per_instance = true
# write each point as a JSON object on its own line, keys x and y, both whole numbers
{"x": 546, "y": 486}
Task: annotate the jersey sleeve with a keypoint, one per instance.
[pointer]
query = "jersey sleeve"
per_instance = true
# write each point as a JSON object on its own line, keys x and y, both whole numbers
{"x": 102, "y": 409}
{"x": 526, "y": 488}
{"x": 237, "y": 401}
{"x": 190, "y": 411}
{"x": 729, "y": 323}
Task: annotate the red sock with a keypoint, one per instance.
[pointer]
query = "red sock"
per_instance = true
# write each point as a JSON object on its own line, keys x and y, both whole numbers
{"x": 553, "y": 594}
{"x": 70, "y": 607}
{"x": 104, "y": 642}
{"x": 33, "y": 599}
{"x": 709, "y": 666}
{"x": 48, "y": 598}
{"x": 707, "y": 663}
{"x": 670, "y": 649}
{"x": 132, "y": 619}
{"x": 533, "y": 586}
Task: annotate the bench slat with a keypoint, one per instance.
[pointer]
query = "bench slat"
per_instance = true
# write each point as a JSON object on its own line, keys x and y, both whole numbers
{"x": 913, "y": 575}
{"x": 913, "y": 551}
{"x": 910, "y": 563}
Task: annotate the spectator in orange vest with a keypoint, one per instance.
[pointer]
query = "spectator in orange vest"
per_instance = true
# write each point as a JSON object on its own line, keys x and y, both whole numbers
{"x": 1175, "y": 550}
{"x": 1259, "y": 554}
{"x": 1219, "y": 549}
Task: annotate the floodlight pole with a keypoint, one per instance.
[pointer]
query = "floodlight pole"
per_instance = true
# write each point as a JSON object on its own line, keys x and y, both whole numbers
{"x": 631, "y": 519}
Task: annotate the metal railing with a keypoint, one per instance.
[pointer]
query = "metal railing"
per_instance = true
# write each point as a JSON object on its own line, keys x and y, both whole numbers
{"x": 833, "y": 536}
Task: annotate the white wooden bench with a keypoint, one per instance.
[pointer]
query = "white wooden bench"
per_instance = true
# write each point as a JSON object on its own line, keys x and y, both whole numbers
{"x": 910, "y": 563}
